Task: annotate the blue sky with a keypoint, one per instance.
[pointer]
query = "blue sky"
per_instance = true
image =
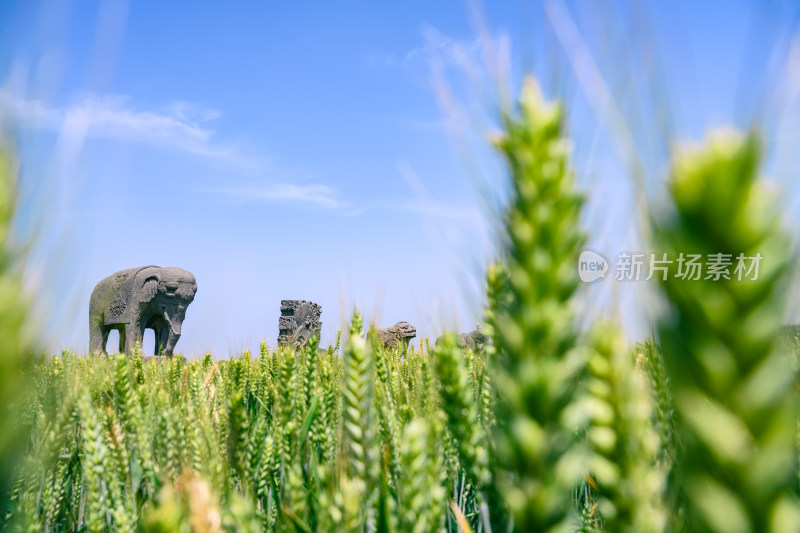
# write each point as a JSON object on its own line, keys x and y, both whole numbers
{"x": 335, "y": 151}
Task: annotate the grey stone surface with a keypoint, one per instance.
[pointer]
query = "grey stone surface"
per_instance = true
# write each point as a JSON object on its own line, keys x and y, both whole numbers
{"x": 473, "y": 340}
{"x": 299, "y": 321}
{"x": 402, "y": 332}
{"x": 789, "y": 338}
{"x": 136, "y": 299}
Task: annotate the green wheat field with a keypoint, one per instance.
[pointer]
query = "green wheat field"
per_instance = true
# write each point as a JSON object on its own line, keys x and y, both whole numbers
{"x": 550, "y": 427}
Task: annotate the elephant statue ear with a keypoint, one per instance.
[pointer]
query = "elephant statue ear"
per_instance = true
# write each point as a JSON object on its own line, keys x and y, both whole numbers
{"x": 149, "y": 288}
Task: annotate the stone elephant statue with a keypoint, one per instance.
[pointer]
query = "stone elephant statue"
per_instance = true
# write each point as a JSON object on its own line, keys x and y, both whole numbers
{"x": 135, "y": 299}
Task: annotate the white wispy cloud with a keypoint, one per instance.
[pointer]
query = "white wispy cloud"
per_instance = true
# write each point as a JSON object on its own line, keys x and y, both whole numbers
{"x": 180, "y": 126}
{"x": 467, "y": 54}
{"x": 425, "y": 204}
{"x": 437, "y": 125}
{"x": 456, "y": 50}
{"x": 316, "y": 194}
{"x": 470, "y": 215}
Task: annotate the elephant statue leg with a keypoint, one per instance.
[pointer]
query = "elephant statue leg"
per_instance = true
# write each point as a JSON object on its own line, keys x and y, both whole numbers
{"x": 158, "y": 330}
{"x": 162, "y": 336}
{"x": 98, "y": 336}
{"x": 133, "y": 334}
{"x": 122, "y": 336}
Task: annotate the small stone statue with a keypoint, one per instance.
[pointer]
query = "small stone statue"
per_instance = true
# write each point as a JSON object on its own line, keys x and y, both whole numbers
{"x": 299, "y": 321}
{"x": 136, "y": 299}
{"x": 402, "y": 332}
{"x": 473, "y": 340}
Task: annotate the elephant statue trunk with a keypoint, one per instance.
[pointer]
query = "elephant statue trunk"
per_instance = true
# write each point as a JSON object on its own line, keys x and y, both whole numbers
{"x": 136, "y": 299}
{"x": 175, "y": 331}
